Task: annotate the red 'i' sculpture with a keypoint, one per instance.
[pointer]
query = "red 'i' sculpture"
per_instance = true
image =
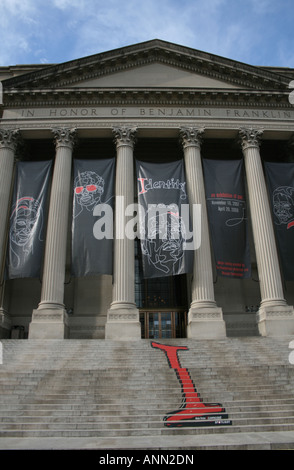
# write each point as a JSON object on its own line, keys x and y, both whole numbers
{"x": 193, "y": 411}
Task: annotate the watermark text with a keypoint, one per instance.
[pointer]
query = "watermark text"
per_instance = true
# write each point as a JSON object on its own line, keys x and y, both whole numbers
{"x": 156, "y": 221}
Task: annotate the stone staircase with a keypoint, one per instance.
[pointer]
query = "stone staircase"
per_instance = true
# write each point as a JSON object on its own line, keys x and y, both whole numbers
{"x": 120, "y": 392}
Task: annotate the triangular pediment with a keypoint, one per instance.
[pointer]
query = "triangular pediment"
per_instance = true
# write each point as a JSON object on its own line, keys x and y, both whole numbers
{"x": 151, "y": 70}
{"x": 155, "y": 75}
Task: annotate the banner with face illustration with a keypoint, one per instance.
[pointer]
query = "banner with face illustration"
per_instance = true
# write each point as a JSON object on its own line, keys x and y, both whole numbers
{"x": 280, "y": 178}
{"x": 92, "y": 225}
{"x": 226, "y": 208}
{"x": 164, "y": 219}
{"x": 28, "y": 219}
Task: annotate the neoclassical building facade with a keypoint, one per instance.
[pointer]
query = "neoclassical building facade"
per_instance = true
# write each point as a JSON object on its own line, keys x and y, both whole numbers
{"x": 155, "y": 102}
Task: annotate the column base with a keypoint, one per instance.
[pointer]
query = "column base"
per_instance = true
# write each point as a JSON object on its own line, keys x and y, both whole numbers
{"x": 206, "y": 323}
{"x": 123, "y": 324}
{"x": 49, "y": 323}
{"x": 5, "y": 324}
{"x": 276, "y": 320}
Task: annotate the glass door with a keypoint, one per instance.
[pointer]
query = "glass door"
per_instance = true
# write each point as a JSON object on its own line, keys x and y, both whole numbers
{"x": 153, "y": 329}
{"x": 156, "y": 325}
{"x": 166, "y": 324}
{"x": 159, "y": 325}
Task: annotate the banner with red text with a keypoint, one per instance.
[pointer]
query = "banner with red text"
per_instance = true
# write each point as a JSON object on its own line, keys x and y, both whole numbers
{"x": 226, "y": 207}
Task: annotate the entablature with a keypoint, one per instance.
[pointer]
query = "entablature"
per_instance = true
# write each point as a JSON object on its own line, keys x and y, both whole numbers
{"x": 145, "y": 96}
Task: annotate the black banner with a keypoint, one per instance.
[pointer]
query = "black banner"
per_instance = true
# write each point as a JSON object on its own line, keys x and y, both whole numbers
{"x": 280, "y": 178}
{"x": 27, "y": 219}
{"x": 226, "y": 207}
{"x": 164, "y": 219}
{"x": 92, "y": 225}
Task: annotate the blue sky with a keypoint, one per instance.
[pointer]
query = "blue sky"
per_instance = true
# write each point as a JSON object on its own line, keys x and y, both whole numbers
{"x": 257, "y": 32}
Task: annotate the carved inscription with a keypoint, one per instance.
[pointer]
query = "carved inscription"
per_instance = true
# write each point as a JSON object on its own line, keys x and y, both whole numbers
{"x": 148, "y": 112}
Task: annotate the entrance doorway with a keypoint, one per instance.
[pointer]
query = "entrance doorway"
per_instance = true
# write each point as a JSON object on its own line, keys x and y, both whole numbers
{"x": 156, "y": 325}
{"x": 162, "y": 303}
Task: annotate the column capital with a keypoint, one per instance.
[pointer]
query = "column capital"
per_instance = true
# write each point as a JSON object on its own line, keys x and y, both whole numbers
{"x": 9, "y": 138}
{"x": 64, "y": 137}
{"x": 250, "y": 137}
{"x": 191, "y": 136}
{"x": 125, "y": 136}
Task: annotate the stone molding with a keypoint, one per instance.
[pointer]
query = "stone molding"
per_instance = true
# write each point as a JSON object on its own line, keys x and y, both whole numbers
{"x": 117, "y": 317}
{"x": 147, "y": 97}
{"x": 40, "y": 316}
{"x": 215, "y": 313}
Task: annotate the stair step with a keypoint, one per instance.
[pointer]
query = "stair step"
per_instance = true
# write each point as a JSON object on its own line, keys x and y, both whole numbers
{"x": 97, "y": 433}
{"x": 101, "y": 389}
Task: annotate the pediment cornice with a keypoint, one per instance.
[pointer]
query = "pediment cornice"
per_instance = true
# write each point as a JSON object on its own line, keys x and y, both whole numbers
{"x": 63, "y": 83}
{"x": 67, "y": 73}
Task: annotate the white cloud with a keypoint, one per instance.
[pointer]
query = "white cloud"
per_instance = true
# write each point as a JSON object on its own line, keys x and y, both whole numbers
{"x": 112, "y": 24}
{"x": 18, "y": 7}
{"x": 17, "y": 18}
{"x": 61, "y": 30}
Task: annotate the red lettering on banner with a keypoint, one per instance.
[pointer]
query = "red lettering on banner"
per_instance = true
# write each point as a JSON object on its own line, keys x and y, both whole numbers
{"x": 143, "y": 190}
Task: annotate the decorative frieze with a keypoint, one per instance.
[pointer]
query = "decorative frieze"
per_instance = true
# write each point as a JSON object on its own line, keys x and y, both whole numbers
{"x": 122, "y": 317}
{"x": 204, "y": 315}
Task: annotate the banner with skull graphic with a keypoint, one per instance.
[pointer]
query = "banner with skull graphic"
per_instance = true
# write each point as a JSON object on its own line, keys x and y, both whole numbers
{"x": 28, "y": 219}
{"x": 164, "y": 219}
{"x": 280, "y": 179}
{"x": 226, "y": 208}
{"x": 92, "y": 224}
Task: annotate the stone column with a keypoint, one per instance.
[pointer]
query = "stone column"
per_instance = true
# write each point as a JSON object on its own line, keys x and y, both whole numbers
{"x": 50, "y": 319}
{"x": 275, "y": 317}
{"x": 123, "y": 321}
{"x": 205, "y": 318}
{"x": 8, "y": 143}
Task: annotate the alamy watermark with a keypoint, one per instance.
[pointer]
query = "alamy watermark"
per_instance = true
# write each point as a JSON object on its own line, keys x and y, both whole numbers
{"x": 154, "y": 222}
